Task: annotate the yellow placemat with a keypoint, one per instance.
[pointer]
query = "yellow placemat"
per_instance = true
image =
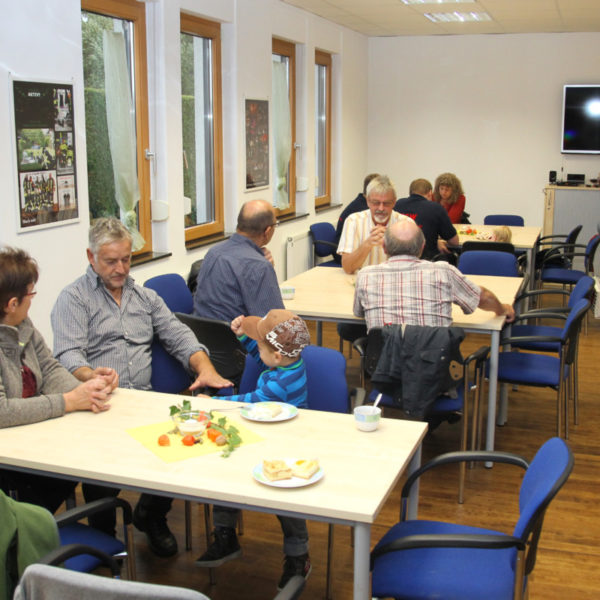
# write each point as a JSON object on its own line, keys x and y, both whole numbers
{"x": 148, "y": 436}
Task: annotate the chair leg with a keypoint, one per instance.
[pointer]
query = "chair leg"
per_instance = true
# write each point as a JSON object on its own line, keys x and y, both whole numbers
{"x": 187, "y": 509}
{"x": 328, "y": 585}
{"x": 131, "y": 568}
{"x": 208, "y": 528}
{"x": 240, "y": 523}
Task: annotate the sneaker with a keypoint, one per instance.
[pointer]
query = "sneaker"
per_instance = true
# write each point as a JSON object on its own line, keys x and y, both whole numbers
{"x": 294, "y": 565}
{"x": 160, "y": 539}
{"x": 224, "y": 548}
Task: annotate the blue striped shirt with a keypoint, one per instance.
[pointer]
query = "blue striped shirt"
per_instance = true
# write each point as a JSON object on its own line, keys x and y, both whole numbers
{"x": 92, "y": 330}
{"x": 276, "y": 384}
{"x": 236, "y": 279}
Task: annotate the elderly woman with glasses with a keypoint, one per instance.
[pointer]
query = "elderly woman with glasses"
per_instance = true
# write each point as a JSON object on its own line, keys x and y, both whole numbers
{"x": 34, "y": 386}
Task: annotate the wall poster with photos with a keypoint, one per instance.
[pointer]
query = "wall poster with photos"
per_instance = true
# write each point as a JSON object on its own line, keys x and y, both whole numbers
{"x": 257, "y": 144}
{"x": 45, "y": 151}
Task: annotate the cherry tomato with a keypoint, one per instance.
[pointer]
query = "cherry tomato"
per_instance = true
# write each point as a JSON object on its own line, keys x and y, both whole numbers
{"x": 202, "y": 417}
{"x": 163, "y": 440}
{"x": 188, "y": 440}
{"x": 212, "y": 434}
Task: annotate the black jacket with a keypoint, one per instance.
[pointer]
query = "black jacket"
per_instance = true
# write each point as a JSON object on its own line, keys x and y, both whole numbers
{"x": 417, "y": 364}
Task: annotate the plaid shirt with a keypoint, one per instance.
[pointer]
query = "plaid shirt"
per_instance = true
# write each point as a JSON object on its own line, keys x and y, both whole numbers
{"x": 357, "y": 229}
{"x": 407, "y": 290}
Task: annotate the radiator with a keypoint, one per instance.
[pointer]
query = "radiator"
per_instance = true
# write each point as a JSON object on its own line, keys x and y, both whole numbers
{"x": 298, "y": 254}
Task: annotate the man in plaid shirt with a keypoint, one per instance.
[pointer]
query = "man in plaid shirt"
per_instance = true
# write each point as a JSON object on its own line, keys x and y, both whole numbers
{"x": 411, "y": 291}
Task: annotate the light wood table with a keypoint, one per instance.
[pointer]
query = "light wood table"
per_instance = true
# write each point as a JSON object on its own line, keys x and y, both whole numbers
{"x": 360, "y": 469}
{"x": 327, "y": 294}
{"x": 523, "y": 238}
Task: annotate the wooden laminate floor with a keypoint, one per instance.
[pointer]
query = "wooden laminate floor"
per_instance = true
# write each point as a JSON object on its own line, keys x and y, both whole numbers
{"x": 569, "y": 552}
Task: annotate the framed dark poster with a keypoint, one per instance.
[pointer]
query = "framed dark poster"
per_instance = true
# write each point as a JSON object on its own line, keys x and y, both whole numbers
{"x": 45, "y": 154}
{"x": 257, "y": 144}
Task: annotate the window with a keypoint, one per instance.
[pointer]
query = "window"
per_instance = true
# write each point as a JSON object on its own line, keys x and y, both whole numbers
{"x": 284, "y": 127}
{"x": 202, "y": 126}
{"x": 116, "y": 114}
{"x": 323, "y": 128}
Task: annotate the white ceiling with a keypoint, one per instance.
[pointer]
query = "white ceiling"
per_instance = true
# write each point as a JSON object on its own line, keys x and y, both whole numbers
{"x": 394, "y": 18}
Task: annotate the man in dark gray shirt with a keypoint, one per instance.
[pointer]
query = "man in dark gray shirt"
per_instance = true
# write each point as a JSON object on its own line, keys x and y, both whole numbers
{"x": 104, "y": 321}
{"x": 237, "y": 276}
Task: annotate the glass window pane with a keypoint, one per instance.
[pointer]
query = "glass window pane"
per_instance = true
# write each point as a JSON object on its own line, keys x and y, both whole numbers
{"x": 321, "y": 129}
{"x": 198, "y": 128}
{"x": 278, "y": 116}
{"x": 101, "y": 184}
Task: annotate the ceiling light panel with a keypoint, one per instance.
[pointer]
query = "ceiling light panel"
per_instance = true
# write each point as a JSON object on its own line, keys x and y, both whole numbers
{"x": 458, "y": 17}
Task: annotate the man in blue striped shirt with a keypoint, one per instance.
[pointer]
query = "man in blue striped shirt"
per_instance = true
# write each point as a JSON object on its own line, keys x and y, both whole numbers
{"x": 275, "y": 341}
{"x": 104, "y": 324}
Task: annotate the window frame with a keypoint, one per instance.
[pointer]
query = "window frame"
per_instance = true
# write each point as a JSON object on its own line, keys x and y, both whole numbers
{"x": 134, "y": 11}
{"x": 193, "y": 25}
{"x": 288, "y": 49}
{"x": 325, "y": 59}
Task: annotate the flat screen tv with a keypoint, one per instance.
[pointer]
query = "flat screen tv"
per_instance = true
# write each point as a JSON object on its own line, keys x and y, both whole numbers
{"x": 581, "y": 119}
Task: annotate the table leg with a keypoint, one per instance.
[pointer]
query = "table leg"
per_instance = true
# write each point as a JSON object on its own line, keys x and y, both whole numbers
{"x": 492, "y": 389}
{"x": 319, "y": 333}
{"x": 362, "y": 543}
{"x": 413, "y": 496}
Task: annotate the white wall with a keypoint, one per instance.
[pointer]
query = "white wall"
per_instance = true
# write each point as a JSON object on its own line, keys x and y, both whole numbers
{"x": 49, "y": 48}
{"x": 487, "y": 108}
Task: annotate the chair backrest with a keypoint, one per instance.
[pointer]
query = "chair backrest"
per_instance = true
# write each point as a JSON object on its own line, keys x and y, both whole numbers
{"x": 173, "y": 289}
{"x": 326, "y": 379}
{"x": 482, "y": 245}
{"x": 169, "y": 376}
{"x": 584, "y": 288}
{"x": 572, "y": 327}
{"x": 322, "y": 232}
{"x": 327, "y": 388}
{"x": 192, "y": 280}
{"x": 590, "y": 253}
{"x": 488, "y": 262}
{"x": 514, "y": 220}
{"x": 547, "y": 473}
{"x": 226, "y": 353}
{"x": 45, "y": 582}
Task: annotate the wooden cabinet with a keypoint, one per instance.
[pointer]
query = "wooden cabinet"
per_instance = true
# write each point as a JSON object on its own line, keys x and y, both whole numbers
{"x": 567, "y": 207}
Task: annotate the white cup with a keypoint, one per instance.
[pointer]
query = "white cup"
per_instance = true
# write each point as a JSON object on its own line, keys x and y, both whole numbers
{"x": 367, "y": 417}
{"x": 287, "y": 292}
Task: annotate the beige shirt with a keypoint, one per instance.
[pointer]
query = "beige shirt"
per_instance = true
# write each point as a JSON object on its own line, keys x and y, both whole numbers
{"x": 357, "y": 229}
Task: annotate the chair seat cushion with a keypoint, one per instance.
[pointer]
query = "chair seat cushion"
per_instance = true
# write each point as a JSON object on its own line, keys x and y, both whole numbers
{"x": 531, "y": 330}
{"x": 442, "y": 404}
{"x": 82, "y": 534}
{"x": 529, "y": 369}
{"x": 554, "y": 275}
{"x": 448, "y": 573}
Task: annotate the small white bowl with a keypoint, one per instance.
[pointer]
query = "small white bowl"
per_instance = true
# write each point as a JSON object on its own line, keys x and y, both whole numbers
{"x": 187, "y": 422}
{"x": 367, "y": 417}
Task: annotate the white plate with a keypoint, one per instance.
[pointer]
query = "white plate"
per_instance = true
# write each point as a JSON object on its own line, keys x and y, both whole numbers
{"x": 294, "y": 482}
{"x": 288, "y": 411}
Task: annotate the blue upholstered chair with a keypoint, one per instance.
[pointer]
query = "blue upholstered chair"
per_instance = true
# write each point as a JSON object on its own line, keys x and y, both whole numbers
{"x": 324, "y": 244}
{"x": 488, "y": 262}
{"x": 545, "y": 370}
{"x": 416, "y": 560}
{"x": 173, "y": 289}
{"x": 568, "y": 275}
{"x": 510, "y": 220}
{"x": 327, "y": 390}
{"x": 466, "y": 403}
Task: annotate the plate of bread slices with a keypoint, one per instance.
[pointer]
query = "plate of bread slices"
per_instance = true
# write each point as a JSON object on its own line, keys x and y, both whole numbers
{"x": 288, "y": 472}
{"x": 269, "y": 411}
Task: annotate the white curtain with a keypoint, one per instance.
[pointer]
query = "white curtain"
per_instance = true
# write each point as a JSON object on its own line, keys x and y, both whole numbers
{"x": 120, "y": 117}
{"x": 282, "y": 134}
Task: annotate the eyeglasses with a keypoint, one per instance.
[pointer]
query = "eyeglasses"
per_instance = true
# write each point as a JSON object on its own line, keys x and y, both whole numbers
{"x": 31, "y": 294}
